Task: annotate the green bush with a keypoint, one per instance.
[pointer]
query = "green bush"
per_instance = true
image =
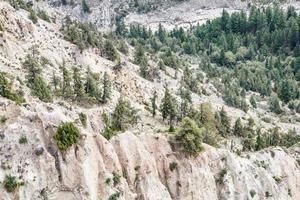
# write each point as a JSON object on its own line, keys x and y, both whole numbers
{"x": 11, "y": 184}
{"x": 252, "y": 193}
{"x": 66, "y": 135}
{"x": 23, "y": 139}
{"x": 114, "y": 196}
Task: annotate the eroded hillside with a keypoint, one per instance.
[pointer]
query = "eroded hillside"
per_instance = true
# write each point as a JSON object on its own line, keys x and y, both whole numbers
{"x": 143, "y": 160}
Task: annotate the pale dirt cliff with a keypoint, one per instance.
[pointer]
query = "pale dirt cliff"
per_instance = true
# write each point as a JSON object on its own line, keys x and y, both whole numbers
{"x": 141, "y": 156}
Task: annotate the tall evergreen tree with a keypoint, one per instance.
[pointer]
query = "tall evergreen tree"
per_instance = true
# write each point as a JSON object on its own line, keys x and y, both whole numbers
{"x": 78, "y": 87}
{"x": 106, "y": 88}
{"x": 153, "y": 103}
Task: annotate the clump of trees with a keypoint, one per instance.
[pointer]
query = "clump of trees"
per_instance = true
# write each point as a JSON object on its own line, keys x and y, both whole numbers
{"x": 81, "y": 34}
{"x": 90, "y": 88}
{"x": 66, "y": 135}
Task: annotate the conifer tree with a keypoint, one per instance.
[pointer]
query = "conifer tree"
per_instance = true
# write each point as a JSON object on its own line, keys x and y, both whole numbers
{"x": 153, "y": 103}
{"x": 168, "y": 106}
{"x": 225, "y": 123}
{"x": 85, "y": 7}
{"x": 109, "y": 51}
{"x": 253, "y": 101}
{"x": 106, "y": 89}
{"x": 66, "y": 83}
{"x": 55, "y": 81}
{"x": 238, "y": 128}
{"x": 123, "y": 115}
{"x": 78, "y": 87}
{"x": 90, "y": 85}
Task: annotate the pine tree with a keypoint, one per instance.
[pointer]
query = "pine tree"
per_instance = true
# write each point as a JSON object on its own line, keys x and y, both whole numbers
{"x": 249, "y": 142}
{"x": 123, "y": 115}
{"x": 274, "y": 105}
{"x": 238, "y": 128}
{"x": 55, "y": 81}
{"x": 66, "y": 84}
{"x": 78, "y": 87}
{"x": 253, "y": 101}
{"x": 109, "y": 51}
{"x": 106, "y": 89}
{"x": 260, "y": 143}
{"x": 153, "y": 103}
{"x": 293, "y": 32}
{"x": 161, "y": 33}
{"x": 85, "y": 7}
{"x": 36, "y": 82}
{"x": 90, "y": 85}
{"x": 225, "y": 123}
{"x": 168, "y": 106}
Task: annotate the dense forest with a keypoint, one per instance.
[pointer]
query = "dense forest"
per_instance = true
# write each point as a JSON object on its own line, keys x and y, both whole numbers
{"x": 261, "y": 51}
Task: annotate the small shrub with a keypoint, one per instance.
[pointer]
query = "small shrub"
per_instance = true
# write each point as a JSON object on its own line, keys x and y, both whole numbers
{"x": 11, "y": 184}
{"x": 252, "y": 193}
{"x": 221, "y": 175}
{"x": 108, "y": 181}
{"x": 267, "y": 194}
{"x": 116, "y": 178}
{"x": 298, "y": 161}
{"x": 3, "y": 119}
{"x": 114, "y": 196}
{"x": 277, "y": 179}
{"x": 66, "y": 135}
{"x": 23, "y": 139}
{"x": 83, "y": 119}
{"x": 173, "y": 166}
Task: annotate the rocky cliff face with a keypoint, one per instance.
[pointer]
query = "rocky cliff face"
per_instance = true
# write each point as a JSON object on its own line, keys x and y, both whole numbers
{"x": 142, "y": 163}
